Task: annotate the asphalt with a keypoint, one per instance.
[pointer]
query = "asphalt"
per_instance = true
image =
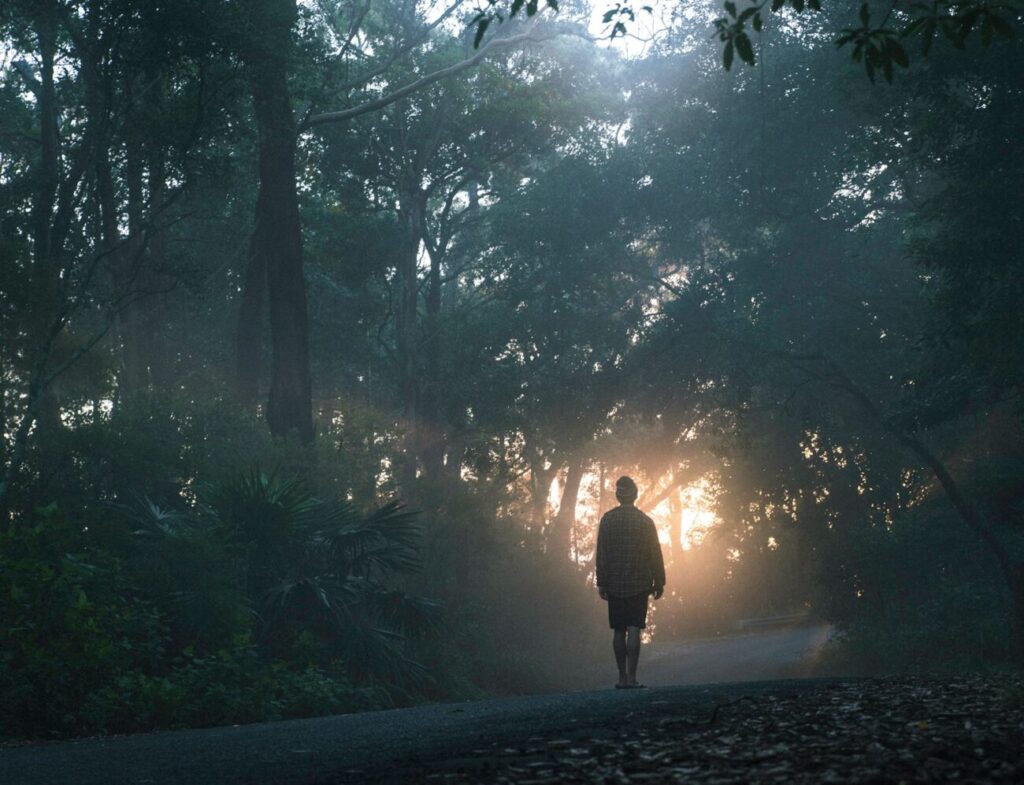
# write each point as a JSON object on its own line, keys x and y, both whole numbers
{"x": 780, "y": 653}
{"x": 385, "y": 746}
{"x": 357, "y": 748}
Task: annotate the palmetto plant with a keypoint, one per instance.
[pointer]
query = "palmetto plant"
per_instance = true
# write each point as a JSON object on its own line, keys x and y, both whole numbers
{"x": 299, "y": 567}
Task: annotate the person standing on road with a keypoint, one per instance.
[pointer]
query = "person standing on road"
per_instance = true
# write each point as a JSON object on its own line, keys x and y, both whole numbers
{"x": 630, "y": 567}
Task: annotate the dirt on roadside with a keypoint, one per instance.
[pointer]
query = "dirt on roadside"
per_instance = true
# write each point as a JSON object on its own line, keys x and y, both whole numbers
{"x": 896, "y": 730}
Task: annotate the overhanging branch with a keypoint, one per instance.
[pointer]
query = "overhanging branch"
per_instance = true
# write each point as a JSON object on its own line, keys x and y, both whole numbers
{"x": 425, "y": 81}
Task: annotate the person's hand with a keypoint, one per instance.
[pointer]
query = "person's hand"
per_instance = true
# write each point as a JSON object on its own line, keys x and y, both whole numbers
{"x": 658, "y": 591}
{"x": 602, "y": 593}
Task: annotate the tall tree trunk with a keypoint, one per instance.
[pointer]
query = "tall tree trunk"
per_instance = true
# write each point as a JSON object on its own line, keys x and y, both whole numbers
{"x": 433, "y": 417}
{"x": 48, "y": 174}
{"x": 250, "y": 331}
{"x": 133, "y": 363}
{"x": 541, "y": 486}
{"x": 46, "y": 251}
{"x": 560, "y": 533}
{"x": 413, "y": 206}
{"x": 277, "y": 236}
{"x": 156, "y": 349}
{"x": 675, "y": 514}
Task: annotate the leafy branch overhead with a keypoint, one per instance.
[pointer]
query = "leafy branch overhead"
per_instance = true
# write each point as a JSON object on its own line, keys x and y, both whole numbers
{"x": 492, "y": 13}
{"x": 877, "y": 41}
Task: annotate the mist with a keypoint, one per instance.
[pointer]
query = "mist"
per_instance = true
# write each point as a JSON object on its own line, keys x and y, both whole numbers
{"x": 328, "y": 328}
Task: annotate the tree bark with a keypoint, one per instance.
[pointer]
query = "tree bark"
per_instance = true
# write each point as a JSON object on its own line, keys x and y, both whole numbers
{"x": 48, "y": 177}
{"x": 413, "y": 206}
{"x": 560, "y": 533}
{"x": 541, "y": 486}
{"x": 249, "y": 335}
{"x": 433, "y": 417}
{"x": 675, "y": 515}
{"x": 277, "y": 236}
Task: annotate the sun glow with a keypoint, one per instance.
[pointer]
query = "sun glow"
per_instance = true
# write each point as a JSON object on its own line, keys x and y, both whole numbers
{"x": 688, "y": 513}
{"x": 694, "y": 506}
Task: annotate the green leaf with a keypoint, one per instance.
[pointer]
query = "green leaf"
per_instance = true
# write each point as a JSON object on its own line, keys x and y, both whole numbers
{"x": 798, "y": 5}
{"x": 727, "y": 56}
{"x": 744, "y": 49}
{"x": 897, "y": 53}
{"x": 865, "y": 14}
{"x": 777, "y": 4}
{"x": 757, "y": 23}
{"x": 730, "y": 8}
{"x": 814, "y": 5}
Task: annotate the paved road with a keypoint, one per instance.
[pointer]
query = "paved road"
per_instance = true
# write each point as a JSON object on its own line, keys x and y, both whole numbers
{"x": 374, "y": 745}
{"x": 789, "y": 652}
{"x": 356, "y": 748}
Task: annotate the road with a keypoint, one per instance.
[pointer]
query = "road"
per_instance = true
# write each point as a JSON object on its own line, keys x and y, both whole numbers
{"x": 361, "y": 747}
{"x": 787, "y": 652}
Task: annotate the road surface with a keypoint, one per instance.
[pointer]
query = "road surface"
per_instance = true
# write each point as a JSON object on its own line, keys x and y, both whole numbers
{"x": 783, "y": 653}
{"x": 362, "y": 747}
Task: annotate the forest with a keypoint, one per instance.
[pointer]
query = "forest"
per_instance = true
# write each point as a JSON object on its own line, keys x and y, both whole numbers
{"x": 327, "y": 326}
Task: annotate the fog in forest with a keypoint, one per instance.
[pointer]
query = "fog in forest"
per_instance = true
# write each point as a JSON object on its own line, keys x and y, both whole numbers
{"x": 328, "y": 327}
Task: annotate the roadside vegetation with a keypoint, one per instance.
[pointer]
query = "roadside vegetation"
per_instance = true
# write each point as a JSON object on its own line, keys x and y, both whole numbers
{"x": 326, "y": 330}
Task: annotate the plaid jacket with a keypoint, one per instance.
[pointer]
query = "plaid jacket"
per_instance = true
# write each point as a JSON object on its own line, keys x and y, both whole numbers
{"x": 628, "y": 557}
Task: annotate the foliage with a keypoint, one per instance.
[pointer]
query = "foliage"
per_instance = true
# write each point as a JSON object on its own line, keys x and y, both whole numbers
{"x": 270, "y": 604}
{"x": 525, "y": 267}
{"x": 927, "y": 601}
{"x": 876, "y": 44}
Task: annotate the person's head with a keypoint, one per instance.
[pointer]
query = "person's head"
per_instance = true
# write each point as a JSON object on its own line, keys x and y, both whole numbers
{"x": 625, "y": 490}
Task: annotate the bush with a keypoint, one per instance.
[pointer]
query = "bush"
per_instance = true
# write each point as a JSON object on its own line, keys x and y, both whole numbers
{"x": 72, "y": 625}
{"x": 231, "y": 687}
{"x": 932, "y": 600}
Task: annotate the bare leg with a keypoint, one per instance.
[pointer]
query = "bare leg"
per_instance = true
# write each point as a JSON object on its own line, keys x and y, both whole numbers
{"x": 632, "y": 654}
{"x": 619, "y": 645}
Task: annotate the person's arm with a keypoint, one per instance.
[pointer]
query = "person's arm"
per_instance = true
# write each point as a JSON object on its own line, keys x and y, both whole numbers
{"x": 601, "y": 562}
{"x": 657, "y": 561}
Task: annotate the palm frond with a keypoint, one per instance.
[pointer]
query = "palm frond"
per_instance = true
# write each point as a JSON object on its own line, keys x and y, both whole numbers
{"x": 402, "y": 612}
{"x": 387, "y": 540}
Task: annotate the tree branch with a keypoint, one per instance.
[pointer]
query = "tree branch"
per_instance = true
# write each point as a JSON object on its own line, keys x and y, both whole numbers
{"x": 425, "y": 81}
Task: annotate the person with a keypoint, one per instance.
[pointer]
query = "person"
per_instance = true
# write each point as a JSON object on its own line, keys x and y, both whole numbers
{"x": 629, "y": 568}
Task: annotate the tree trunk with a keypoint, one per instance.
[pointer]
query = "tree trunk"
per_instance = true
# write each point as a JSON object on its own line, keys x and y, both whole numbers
{"x": 541, "y": 481}
{"x": 158, "y": 356}
{"x": 675, "y": 515}
{"x": 413, "y": 205}
{"x": 46, "y": 247}
{"x": 133, "y": 364}
{"x": 277, "y": 237}
{"x": 560, "y": 533}
{"x": 433, "y": 417}
{"x": 249, "y": 336}
{"x": 48, "y": 177}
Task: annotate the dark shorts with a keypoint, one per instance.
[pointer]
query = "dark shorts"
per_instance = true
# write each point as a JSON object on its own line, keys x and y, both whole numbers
{"x": 627, "y": 611}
